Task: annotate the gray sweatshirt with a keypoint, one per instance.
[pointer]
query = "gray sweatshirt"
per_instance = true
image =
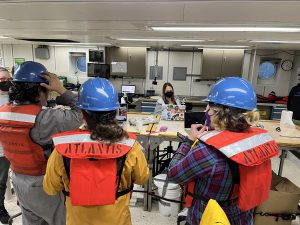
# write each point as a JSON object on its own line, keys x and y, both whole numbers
{"x": 53, "y": 121}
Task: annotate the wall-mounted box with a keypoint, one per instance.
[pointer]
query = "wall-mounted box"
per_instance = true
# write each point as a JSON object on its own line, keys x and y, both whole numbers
{"x": 42, "y": 53}
{"x": 179, "y": 73}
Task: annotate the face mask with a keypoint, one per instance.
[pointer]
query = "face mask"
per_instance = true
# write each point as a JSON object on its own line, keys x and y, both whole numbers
{"x": 5, "y": 85}
{"x": 169, "y": 94}
{"x": 207, "y": 118}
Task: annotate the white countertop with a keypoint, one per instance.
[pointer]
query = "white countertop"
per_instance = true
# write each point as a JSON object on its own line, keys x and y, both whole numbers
{"x": 270, "y": 104}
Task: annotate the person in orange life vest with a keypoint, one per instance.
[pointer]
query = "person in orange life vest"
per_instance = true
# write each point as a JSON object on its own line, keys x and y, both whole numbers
{"x": 102, "y": 160}
{"x": 25, "y": 134}
{"x": 5, "y": 82}
{"x": 231, "y": 161}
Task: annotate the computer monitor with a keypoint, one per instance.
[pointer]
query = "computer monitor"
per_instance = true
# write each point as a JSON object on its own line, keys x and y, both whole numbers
{"x": 99, "y": 70}
{"x": 193, "y": 118}
{"x": 96, "y": 56}
{"x": 128, "y": 89}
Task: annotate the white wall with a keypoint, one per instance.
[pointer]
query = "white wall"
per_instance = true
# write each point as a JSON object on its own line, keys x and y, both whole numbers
{"x": 281, "y": 84}
{"x": 59, "y": 63}
{"x": 171, "y": 59}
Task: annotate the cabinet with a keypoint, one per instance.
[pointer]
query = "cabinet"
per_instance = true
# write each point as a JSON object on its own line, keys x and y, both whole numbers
{"x": 148, "y": 106}
{"x": 212, "y": 63}
{"x": 134, "y": 57}
{"x": 219, "y": 63}
{"x": 276, "y": 112}
{"x": 116, "y": 55}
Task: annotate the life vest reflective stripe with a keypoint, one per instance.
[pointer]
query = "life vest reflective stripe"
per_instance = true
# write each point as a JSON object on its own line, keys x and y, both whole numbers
{"x": 86, "y": 155}
{"x": 26, "y": 157}
{"x": 252, "y": 151}
{"x": 249, "y": 148}
{"x": 19, "y": 117}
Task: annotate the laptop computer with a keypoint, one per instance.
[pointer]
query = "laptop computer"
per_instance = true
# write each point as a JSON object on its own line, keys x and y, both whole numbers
{"x": 194, "y": 118}
{"x": 173, "y": 112}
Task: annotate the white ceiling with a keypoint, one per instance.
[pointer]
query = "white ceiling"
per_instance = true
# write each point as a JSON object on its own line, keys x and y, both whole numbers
{"x": 105, "y": 21}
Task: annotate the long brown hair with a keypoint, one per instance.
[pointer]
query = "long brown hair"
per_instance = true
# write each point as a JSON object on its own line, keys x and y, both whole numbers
{"x": 104, "y": 126}
{"x": 163, "y": 93}
{"x": 233, "y": 119}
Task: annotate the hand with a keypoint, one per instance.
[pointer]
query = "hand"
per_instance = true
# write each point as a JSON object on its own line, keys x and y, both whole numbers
{"x": 54, "y": 83}
{"x": 59, "y": 107}
{"x": 196, "y": 129}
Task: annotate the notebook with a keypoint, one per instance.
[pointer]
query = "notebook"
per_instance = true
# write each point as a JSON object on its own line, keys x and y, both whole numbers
{"x": 173, "y": 112}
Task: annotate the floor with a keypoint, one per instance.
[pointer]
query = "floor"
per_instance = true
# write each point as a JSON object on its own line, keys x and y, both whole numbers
{"x": 139, "y": 217}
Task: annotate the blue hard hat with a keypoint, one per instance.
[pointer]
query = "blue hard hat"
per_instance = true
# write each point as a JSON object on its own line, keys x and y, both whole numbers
{"x": 234, "y": 92}
{"x": 30, "y": 72}
{"x": 97, "y": 95}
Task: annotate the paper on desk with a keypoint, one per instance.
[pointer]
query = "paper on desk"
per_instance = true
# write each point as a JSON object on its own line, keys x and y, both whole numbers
{"x": 171, "y": 127}
{"x": 290, "y": 132}
{"x": 286, "y": 119}
{"x": 287, "y": 127}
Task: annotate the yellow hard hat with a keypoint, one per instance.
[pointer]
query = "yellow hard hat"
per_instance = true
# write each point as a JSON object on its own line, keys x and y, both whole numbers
{"x": 214, "y": 214}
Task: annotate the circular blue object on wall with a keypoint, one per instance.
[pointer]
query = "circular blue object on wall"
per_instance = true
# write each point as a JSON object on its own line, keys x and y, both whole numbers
{"x": 81, "y": 63}
{"x": 266, "y": 70}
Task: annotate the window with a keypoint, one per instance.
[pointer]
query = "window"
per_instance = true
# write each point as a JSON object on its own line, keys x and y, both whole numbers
{"x": 81, "y": 63}
{"x": 266, "y": 70}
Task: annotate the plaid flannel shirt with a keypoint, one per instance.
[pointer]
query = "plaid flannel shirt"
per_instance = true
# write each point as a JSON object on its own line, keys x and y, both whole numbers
{"x": 209, "y": 168}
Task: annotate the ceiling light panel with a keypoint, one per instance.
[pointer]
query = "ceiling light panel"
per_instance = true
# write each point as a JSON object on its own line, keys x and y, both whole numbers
{"x": 159, "y": 39}
{"x": 275, "y": 42}
{"x": 228, "y": 29}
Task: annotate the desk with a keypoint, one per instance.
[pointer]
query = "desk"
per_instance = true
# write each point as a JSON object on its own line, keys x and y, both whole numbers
{"x": 150, "y": 139}
{"x": 144, "y": 138}
{"x": 284, "y": 143}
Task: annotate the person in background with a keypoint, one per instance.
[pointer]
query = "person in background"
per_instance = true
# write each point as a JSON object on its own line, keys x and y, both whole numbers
{"x": 5, "y": 82}
{"x": 230, "y": 159}
{"x": 116, "y": 159}
{"x": 25, "y": 134}
{"x": 168, "y": 97}
{"x": 294, "y": 102}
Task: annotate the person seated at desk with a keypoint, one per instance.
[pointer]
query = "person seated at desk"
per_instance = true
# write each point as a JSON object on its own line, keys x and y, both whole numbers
{"x": 168, "y": 96}
{"x": 231, "y": 162}
{"x": 294, "y": 102}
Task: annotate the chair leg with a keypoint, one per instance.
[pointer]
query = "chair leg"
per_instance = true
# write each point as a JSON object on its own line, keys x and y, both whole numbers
{"x": 156, "y": 162}
{"x": 180, "y": 219}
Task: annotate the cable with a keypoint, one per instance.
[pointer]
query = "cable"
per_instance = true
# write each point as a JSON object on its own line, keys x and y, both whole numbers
{"x": 159, "y": 197}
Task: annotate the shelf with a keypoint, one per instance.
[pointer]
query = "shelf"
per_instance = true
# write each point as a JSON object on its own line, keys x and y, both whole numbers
{"x": 193, "y": 75}
{"x": 206, "y": 79}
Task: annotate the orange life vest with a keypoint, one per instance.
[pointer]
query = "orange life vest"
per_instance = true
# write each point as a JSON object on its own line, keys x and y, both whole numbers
{"x": 252, "y": 151}
{"x": 94, "y": 179}
{"x": 25, "y": 156}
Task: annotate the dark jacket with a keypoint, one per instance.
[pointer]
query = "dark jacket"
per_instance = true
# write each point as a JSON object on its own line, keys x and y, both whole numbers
{"x": 294, "y": 102}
